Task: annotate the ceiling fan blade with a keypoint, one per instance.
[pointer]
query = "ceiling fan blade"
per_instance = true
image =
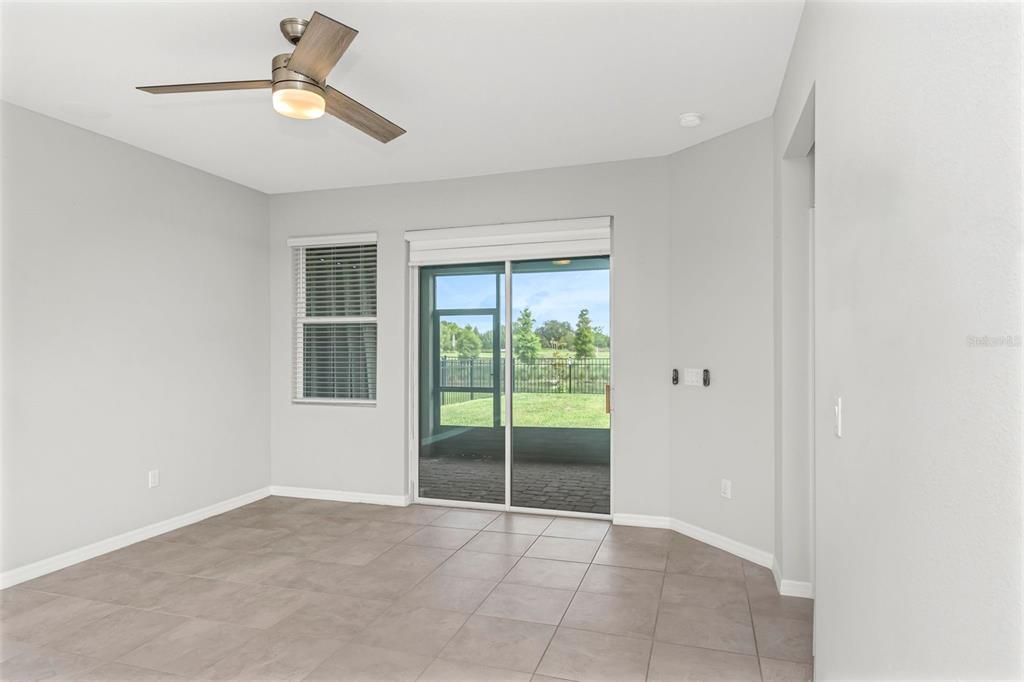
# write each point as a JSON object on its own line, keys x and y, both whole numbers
{"x": 358, "y": 116}
{"x": 321, "y": 46}
{"x": 205, "y": 87}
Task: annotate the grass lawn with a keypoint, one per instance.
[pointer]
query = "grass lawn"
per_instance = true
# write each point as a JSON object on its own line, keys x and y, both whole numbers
{"x": 567, "y": 410}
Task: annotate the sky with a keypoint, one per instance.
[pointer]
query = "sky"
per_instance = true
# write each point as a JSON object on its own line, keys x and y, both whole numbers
{"x": 549, "y": 295}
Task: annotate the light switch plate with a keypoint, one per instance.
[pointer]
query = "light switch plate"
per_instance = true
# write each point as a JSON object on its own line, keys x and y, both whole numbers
{"x": 693, "y": 377}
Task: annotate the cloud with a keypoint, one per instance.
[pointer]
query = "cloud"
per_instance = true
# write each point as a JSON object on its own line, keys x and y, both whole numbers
{"x": 561, "y": 295}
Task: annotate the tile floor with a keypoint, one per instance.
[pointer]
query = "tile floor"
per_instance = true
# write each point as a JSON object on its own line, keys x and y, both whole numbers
{"x": 289, "y": 589}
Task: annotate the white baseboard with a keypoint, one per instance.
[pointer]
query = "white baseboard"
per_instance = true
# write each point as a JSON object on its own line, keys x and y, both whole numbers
{"x": 744, "y": 551}
{"x": 74, "y": 556}
{"x": 752, "y": 554}
{"x": 792, "y": 588}
{"x": 340, "y": 495}
{"x": 642, "y": 520}
{"x": 796, "y": 588}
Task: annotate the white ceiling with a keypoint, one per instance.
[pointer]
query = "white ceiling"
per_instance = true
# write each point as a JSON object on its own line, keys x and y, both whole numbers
{"x": 481, "y": 87}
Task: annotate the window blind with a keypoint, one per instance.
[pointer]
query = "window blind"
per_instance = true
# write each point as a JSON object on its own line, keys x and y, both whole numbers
{"x": 336, "y": 318}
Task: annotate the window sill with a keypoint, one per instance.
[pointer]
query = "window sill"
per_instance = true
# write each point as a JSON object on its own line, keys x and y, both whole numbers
{"x": 332, "y": 401}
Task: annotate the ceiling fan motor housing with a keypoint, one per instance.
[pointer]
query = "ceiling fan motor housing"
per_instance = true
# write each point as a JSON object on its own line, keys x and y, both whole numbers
{"x": 293, "y": 28}
{"x": 283, "y": 77}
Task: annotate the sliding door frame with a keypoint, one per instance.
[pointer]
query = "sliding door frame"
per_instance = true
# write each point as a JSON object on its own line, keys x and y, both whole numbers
{"x": 413, "y": 339}
{"x": 507, "y": 340}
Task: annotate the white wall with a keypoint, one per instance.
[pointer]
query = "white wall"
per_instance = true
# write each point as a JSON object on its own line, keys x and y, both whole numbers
{"x": 721, "y": 313}
{"x": 918, "y": 231}
{"x": 364, "y": 449}
{"x": 135, "y": 318}
{"x": 794, "y": 177}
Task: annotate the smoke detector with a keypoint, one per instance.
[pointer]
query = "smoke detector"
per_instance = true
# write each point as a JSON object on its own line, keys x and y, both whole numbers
{"x": 690, "y": 120}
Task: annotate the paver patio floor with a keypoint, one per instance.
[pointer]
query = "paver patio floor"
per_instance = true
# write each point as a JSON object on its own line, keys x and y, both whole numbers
{"x": 543, "y": 485}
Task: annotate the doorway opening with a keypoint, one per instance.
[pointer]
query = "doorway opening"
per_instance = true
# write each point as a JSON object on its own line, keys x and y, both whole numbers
{"x": 528, "y": 429}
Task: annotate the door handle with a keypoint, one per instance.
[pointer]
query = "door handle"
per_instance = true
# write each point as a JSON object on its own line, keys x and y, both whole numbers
{"x": 607, "y": 398}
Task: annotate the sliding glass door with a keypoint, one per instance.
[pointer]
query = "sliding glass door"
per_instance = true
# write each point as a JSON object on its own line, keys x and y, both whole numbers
{"x": 461, "y": 420}
{"x": 548, "y": 448}
{"x": 561, "y": 359}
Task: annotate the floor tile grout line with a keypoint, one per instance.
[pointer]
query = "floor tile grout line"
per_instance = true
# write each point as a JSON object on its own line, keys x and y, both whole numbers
{"x": 55, "y": 647}
{"x": 489, "y": 592}
{"x": 657, "y": 615}
{"x": 753, "y": 630}
{"x": 501, "y": 581}
{"x": 568, "y": 606}
{"x": 437, "y": 656}
{"x": 151, "y": 640}
{"x": 435, "y": 571}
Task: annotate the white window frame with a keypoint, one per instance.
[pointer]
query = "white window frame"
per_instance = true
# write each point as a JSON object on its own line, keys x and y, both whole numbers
{"x": 559, "y": 238}
{"x": 299, "y": 319}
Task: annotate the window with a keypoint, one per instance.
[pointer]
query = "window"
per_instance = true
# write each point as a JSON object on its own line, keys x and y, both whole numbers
{"x": 336, "y": 318}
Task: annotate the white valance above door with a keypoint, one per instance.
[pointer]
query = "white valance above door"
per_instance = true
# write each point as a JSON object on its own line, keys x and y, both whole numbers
{"x": 572, "y": 238}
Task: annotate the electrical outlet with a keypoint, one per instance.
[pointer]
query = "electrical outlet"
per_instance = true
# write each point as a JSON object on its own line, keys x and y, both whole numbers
{"x": 727, "y": 488}
{"x": 692, "y": 377}
{"x": 154, "y": 478}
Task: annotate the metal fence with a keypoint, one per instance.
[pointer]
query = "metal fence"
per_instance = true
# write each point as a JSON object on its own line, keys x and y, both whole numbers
{"x": 541, "y": 375}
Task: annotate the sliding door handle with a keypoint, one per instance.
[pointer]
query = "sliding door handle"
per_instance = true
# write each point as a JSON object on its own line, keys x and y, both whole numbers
{"x": 607, "y": 398}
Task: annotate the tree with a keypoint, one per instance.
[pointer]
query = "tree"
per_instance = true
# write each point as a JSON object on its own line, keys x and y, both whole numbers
{"x": 562, "y": 368}
{"x": 449, "y": 336}
{"x": 583, "y": 344}
{"x": 601, "y": 339}
{"x": 468, "y": 344}
{"x": 525, "y": 342}
{"x": 555, "y": 334}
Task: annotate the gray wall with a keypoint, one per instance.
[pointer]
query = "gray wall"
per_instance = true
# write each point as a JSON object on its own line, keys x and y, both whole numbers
{"x": 135, "y": 317}
{"x": 155, "y": 274}
{"x": 364, "y": 449}
{"x": 720, "y": 290}
{"x": 691, "y": 286}
{"x": 918, "y": 231}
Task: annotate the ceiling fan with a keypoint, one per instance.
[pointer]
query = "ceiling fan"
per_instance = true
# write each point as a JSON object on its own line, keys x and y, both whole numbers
{"x": 298, "y": 80}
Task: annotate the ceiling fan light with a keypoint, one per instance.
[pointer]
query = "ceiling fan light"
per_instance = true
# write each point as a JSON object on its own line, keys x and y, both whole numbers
{"x": 301, "y": 103}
